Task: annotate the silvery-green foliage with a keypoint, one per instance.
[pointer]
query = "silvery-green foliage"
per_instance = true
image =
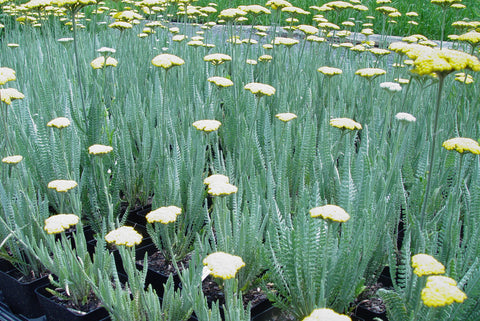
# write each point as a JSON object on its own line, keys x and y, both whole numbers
{"x": 22, "y": 216}
{"x": 71, "y": 265}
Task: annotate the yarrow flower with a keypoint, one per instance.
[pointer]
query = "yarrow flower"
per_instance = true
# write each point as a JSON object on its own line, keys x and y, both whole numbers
{"x": 440, "y": 291}
{"x": 207, "y": 125}
{"x": 9, "y": 94}
{"x": 60, "y": 223}
{"x": 164, "y": 215}
{"x": 278, "y": 4}
{"x": 370, "y": 72}
{"x": 121, "y": 25}
{"x": 260, "y": 89}
{"x": 346, "y": 123}
{"x": 285, "y": 41}
{"x": 425, "y": 264}
{"x": 105, "y": 50}
{"x": 62, "y": 185}
{"x": 265, "y": 58}
{"x": 223, "y": 265}
{"x": 98, "y": 149}
{"x": 15, "y": 159}
{"x": 331, "y": 212}
{"x": 217, "y": 58}
{"x": 406, "y": 117}
{"x": 167, "y": 61}
{"x": 462, "y": 145}
{"x": 391, "y": 86}
{"x": 330, "y": 71}
{"x": 125, "y": 235}
{"x": 429, "y": 60}
{"x": 286, "y": 117}
{"x": 325, "y": 314}
{"x": 219, "y": 185}
{"x": 220, "y": 81}
{"x": 6, "y": 74}
{"x": 100, "y": 62}
{"x": 59, "y": 122}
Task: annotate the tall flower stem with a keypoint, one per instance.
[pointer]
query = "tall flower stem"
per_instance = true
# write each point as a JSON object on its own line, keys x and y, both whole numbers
{"x": 8, "y": 145}
{"x": 441, "y": 79}
{"x": 323, "y": 302}
{"x": 77, "y": 63}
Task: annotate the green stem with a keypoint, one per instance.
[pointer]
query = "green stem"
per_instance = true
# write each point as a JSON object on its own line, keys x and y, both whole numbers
{"x": 323, "y": 300}
{"x": 77, "y": 63}
{"x": 441, "y": 79}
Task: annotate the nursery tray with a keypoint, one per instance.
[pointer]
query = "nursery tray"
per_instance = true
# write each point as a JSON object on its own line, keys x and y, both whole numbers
{"x": 7, "y": 315}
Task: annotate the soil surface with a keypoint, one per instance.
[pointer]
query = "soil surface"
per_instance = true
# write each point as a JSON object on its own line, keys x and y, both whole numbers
{"x": 92, "y": 303}
{"x": 158, "y": 263}
{"x": 213, "y": 293}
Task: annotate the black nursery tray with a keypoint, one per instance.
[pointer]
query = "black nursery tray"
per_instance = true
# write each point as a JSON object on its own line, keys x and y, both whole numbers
{"x": 7, "y": 315}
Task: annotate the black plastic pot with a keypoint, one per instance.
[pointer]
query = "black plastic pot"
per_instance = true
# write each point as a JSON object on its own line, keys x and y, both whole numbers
{"x": 55, "y": 311}
{"x": 20, "y": 296}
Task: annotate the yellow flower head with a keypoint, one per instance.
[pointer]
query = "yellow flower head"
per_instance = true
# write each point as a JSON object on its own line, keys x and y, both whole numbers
{"x": 231, "y": 13}
{"x": 472, "y": 37}
{"x": 62, "y": 185}
{"x": 220, "y": 81}
{"x": 167, "y": 61}
{"x": 6, "y": 74}
{"x": 314, "y": 38}
{"x": 307, "y": 29}
{"x": 444, "y": 3}
{"x": 223, "y": 265}
{"x": 15, "y": 159}
{"x": 285, "y": 41}
{"x": 425, "y": 264}
{"x": 217, "y": 58}
{"x": 260, "y": 89}
{"x": 164, "y": 215}
{"x": 443, "y": 61}
{"x": 99, "y": 63}
{"x": 98, "y": 149}
{"x": 254, "y": 9}
{"x": 370, "y": 72}
{"x": 216, "y": 179}
{"x": 391, "y": 86}
{"x": 339, "y": 5}
{"x": 345, "y": 123}
{"x": 331, "y": 212}
{"x": 278, "y": 4}
{"x": 379, "y": 51}
{"x": 218, "y": 185}
{"x": 221, "y": 189}
{"x": 9, "y": 94}
{"x": 295, "y": 10}
{"x": 127, "y": 15}
{"x": 125, "y": 235}
{"x": 251, "y": 62}
{"x": 330, "y": 71}
{"x": 405, "y": 117}
{"x": 286, "y": 117}
{"x": 207, "y": 125}
{"x": 59, "y": 122}
{"x": 386, "y": 9}
{"x": 462, "y": 145}
{"x": 440, "y": 291}
{"x": 325, "y": 314}
{"x": 121, "y": 25}
{"x": 60, "y": 222}
{"x": 265, "y": 58}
